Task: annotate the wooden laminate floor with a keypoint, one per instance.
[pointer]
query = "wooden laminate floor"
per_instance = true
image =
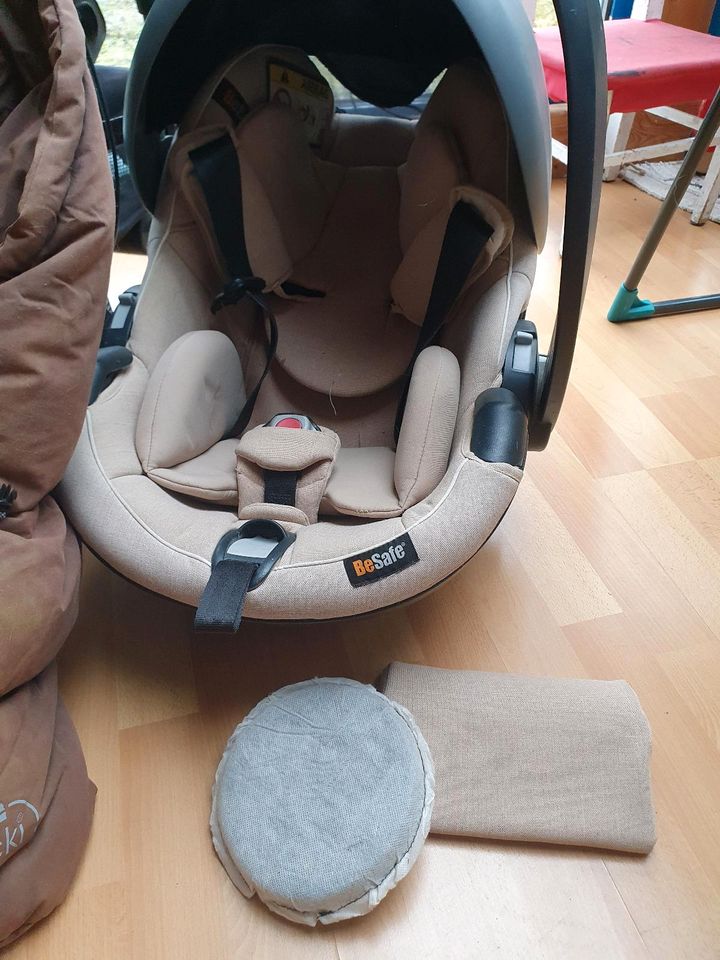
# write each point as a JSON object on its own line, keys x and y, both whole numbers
{"x": 607, "y": 565}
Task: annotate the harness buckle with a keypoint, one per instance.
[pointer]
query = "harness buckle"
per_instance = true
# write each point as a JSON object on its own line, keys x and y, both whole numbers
{"x": 241, "y": 561}
{"x": 234, "y": 290}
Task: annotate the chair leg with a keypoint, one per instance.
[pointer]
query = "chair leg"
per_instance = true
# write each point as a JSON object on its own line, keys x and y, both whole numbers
{"x": 616, "y": 140}
{"x": 710, "y": 191}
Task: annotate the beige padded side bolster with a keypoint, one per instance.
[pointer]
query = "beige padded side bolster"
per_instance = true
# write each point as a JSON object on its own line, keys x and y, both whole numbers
{"x": 428, "y": 425}
{"x": 361, "y": 484}
{"x": 194, "y": 396}
{"x": 310, "y": 453}
{"x": 434, "y": 167}
{"x": 413, "y": 279}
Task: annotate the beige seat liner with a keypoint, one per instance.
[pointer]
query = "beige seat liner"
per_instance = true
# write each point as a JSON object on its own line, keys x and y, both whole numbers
{"x": 330, "y": 344}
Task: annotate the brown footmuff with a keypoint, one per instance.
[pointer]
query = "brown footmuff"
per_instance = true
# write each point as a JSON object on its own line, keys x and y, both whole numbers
{"x": 46, "y": 804}
{"x": 56, "y": 234}
{"x": 56, "y": 221}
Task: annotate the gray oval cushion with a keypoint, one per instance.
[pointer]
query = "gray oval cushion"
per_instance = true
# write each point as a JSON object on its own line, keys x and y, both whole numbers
{"x": 322, "y": 800}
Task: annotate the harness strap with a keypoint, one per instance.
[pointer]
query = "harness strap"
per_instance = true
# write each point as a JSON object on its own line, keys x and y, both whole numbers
{"x": 217, "y": 169}
{"x": 466, "y": 235}
{"x": 281, "y": 486}
{"x": 221, "y": 605}
{"x": 242, "y": 559}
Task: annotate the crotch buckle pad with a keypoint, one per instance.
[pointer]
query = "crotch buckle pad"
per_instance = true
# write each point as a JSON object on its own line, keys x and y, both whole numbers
{"x": 283, "y": 468}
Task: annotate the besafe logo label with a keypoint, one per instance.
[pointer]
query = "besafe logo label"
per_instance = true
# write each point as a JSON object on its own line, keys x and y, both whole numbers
{"x": 18, "y": 822}
{"x": 381, "y": 561}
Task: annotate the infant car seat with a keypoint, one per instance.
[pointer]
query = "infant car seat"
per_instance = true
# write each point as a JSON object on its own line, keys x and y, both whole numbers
{"x": 332, "y": 383}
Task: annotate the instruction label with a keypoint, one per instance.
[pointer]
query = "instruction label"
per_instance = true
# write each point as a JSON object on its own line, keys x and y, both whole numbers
{"x": 309, "y": 98}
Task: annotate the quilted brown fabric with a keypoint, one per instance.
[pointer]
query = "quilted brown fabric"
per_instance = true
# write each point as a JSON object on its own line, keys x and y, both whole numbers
{"x": 46, "y": 804}
{"x": 56, "y": 225}
{"x": 56, "y": 233}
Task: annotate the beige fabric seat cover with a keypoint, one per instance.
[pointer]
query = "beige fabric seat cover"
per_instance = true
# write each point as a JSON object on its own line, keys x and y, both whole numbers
{"x": 367, "y": 237}
{"x": 322, "y": 800}
{"x": 160, "y": 527}
{"x": 46, "y": 804}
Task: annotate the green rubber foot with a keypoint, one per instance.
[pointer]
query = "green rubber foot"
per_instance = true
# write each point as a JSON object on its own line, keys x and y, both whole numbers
{"x": 627, "y": 305}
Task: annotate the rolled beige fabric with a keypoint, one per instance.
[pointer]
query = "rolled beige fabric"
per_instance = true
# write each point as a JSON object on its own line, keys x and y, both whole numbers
{"x": 533, "y": 758}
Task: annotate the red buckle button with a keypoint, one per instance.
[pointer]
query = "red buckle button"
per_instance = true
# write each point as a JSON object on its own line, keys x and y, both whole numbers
{"x": 292, "y": 422}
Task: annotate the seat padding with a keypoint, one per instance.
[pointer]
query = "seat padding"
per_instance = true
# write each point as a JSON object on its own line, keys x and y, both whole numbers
{"x": 322, "y": 800}
{"x": 209, "y": 476}
{"x": 361, "y": 484}
{"x": 413, "y": 280}
{"x": 194, "y": 396}
{"x": 374, "y": 481}
{"x": 433, "y": 168}
{"x": 339, "y": 227}
{"x": 370, "y": 482}
{"x": 428, "y": 425}
{"x": 349, "y": 343}
{"x": 368, "y": 237}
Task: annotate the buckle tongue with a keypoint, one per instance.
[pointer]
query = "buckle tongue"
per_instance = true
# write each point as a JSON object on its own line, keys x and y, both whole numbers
{"x": 257, "y": 542}
{"x": 240, "y": 562}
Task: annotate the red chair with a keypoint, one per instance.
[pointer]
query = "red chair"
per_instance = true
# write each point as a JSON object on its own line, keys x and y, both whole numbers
{"x": 650, "y": 64}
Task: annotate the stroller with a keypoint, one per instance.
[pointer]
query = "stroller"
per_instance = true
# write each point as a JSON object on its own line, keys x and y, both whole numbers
{"x": 330, "y": 384}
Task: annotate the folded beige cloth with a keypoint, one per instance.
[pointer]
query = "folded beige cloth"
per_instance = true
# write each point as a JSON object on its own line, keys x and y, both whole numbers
{"x": 533, "y": 758}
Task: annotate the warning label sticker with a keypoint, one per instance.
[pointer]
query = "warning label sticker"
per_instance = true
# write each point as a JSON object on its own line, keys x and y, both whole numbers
{"x": 309, "y": 97}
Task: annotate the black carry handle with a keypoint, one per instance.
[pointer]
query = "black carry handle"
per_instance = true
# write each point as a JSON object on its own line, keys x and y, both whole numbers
{"x": 583, "y": 41}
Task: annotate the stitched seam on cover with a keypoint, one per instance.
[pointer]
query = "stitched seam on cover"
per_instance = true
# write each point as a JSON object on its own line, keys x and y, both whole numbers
{"x": 465, "y": 460}
{"x": 506, "y": 199}
{"x": 508, "y": 297}
{"x": 126, "y": 505}
{"x": 183, "y": 486}
{"x": 359, "y": 511}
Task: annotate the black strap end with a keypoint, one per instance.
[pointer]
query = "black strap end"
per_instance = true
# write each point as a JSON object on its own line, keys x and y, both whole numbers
{"x": 221, "y": 605}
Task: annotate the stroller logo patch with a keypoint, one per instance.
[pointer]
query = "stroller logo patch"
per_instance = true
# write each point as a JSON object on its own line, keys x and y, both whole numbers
{"x": 380, "y": 562}
{"x": 18, "y": 822}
